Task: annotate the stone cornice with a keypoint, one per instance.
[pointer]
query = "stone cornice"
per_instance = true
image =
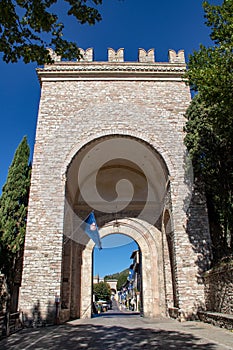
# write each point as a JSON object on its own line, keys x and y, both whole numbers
{"x": 61, "y": 71}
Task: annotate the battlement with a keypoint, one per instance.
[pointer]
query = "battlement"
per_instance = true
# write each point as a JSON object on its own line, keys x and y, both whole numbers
{"x": 118, "y": 56}
{"x": 115, "y": 68}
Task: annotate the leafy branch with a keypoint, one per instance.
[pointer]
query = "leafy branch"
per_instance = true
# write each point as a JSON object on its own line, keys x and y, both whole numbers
{"x": 28, "y": 28}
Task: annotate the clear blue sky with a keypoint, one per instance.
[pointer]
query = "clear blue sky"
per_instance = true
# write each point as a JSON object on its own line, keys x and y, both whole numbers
{"x": 115, "y": 255}
{"x": 130, "y": 24}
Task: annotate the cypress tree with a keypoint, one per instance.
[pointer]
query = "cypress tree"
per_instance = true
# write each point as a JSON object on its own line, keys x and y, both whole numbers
{"x": 13, "y": 217}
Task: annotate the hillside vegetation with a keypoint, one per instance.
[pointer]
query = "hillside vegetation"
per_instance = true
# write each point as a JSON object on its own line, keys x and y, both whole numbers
{"x": 121, "y": 278}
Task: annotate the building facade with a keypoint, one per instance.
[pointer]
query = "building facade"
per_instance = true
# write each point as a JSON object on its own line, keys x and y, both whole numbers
{"x": 110, "y": 139}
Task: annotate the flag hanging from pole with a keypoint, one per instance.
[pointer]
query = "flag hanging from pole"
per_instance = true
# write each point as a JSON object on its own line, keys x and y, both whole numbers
{"x": 91, "y": 229}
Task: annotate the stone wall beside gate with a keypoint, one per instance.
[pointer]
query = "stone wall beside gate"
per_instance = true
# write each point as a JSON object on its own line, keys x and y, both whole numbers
{"x": 219, "y": 289}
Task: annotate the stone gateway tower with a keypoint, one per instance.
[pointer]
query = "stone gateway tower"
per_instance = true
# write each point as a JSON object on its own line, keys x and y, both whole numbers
{"x": 110, "y": 139}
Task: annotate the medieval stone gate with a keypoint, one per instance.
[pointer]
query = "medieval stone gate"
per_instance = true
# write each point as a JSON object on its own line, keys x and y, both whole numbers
{"x": 110, "y": 138}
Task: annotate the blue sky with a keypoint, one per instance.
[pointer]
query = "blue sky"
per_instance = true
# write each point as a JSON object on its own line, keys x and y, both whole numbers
{"x": 129, "y": 24}
{"x": 115, "y": 255}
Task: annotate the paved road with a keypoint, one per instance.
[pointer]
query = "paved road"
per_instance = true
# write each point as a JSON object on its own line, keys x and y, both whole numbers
{"x": 121, "y": 330}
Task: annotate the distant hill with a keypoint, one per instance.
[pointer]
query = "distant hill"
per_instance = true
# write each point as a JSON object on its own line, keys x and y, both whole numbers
{"x": 121, "y": 278}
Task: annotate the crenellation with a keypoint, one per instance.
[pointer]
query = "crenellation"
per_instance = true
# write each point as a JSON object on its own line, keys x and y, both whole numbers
{"x": 115, "y": 56}
{"x": 176, "y": 57}
{"x": 87, "y": 55}
{"x": 54, "y": 56}
{"x": 146, "y": 56}
{"x": 118, "y": 56}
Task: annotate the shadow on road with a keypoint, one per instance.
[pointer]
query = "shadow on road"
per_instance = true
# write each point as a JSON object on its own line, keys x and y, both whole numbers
{"x": 92, "y": 337}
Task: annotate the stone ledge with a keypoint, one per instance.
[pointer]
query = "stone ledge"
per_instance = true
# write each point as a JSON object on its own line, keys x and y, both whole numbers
{"x": 217, "y": 319}
{"x": 62, "y": 71}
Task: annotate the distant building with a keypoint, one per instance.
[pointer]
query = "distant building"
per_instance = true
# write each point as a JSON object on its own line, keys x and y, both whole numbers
{"x": 113, "y": 286}
{"x": 130, "y": 294}
{"x": 136, "y": 268}
{"x": 97, "y": 279}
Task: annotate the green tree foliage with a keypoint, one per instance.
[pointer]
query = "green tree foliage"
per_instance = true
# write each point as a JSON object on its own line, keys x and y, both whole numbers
{"x": 102, "y": 291}
{"x": 210, "y": 123}
{"x": 122, "y": 278}
{"x": 28, "y": 28}
{"x": 13, "y": 212}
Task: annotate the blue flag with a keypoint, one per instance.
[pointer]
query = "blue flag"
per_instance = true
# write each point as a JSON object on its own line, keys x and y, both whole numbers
{"x": 131, "y": 275}
{"x": 91, "y": 229}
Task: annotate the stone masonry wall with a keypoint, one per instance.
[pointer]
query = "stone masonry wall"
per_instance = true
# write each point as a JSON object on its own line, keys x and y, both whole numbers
{"x": 74, "y": 110}
{"x": 219, "y": 289}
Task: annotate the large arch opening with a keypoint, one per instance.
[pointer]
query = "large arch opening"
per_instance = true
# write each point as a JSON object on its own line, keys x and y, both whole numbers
{"x": 126, "y": 182}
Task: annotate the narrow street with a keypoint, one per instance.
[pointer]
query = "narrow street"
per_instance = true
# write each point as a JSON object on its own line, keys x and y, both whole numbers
{"x": 118, "y": 310}
{"x": 120, "y": 329}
